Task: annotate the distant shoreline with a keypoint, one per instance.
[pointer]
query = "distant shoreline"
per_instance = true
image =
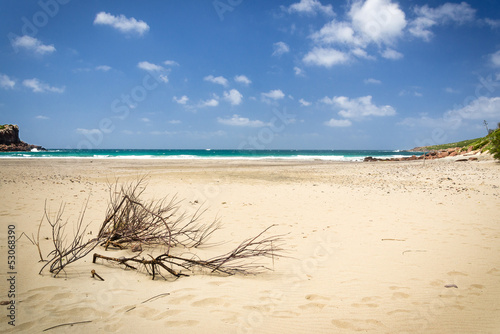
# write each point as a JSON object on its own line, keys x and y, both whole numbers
{"x": 208, "y": 154}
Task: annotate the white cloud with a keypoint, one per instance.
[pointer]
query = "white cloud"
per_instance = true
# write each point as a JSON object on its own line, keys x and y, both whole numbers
{"x": 174, "y": 121}
{"x": 233, "y": 96}
{"x": 164, "y": 133}
{"x": 276, "y": 94}
{"x": 405, "y": 92}
{"x": 32, "y": 44}
{"x": 103, "y": 68}
{"x": 147, "y": 66}
{"x": 420, "y": 28}
{"x": 337, "y": 32}
{"x": 481, "y": 108}
{"x": 39, "y": 87}
{"x": 190, "y": 134}
{"x": 182, "y": 100}
{"x": 495, "y": 59}
{"x": 372, "y": 81}
{"x": 358, "y": 108}
{"x": 171, "y": 63}
{"x": 338, "y": 123}
{"x": 304, "y": 103}
{"x": 42, "y": 117}
{"x": 88, "y": 131}
{"x": 217, "y": 80}
{"x": 327, "y": 100}
{"x": 145, "y": 120}
{"x": 361, "y": 53}
{"x": 6, "y": 82}
{"x": 280, "y": 48}
{"x": 122, "y": 23}
{"x": 82, "y": 70}
{"x": 150, "y": 67}
{"x": 242, "y": 79}
{"x": 426, "y": 121}
{"x": 209, "y": 103}
{"x": 298, "y": 71}
{"x": 460, "y": 13}
{"x": 378, "y": 21}
{"x": 492, "y": 23}
{"x": 451, "y": 90}
{"x": 447, "y": 13}
{"x": 237, "y": 120}
{"x": 392, "y": 54}
{"x": 310, "y": 7}
{"x": 326, "y": 57}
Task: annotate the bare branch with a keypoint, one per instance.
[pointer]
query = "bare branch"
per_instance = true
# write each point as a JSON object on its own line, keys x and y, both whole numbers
{"x": 230, "y": 263}
{"x": 130, "y": 221}
{"x": 64, "y": 254}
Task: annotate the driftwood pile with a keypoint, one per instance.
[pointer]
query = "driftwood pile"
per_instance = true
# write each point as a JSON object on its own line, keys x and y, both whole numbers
{"x": 132, "y": 223}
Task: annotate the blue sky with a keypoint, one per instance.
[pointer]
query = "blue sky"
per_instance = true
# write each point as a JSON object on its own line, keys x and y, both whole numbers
{"x": 255, "y": 74}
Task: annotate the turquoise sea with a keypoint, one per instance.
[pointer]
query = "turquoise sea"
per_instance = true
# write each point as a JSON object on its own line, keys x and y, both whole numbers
{"x": 332, "y": 155}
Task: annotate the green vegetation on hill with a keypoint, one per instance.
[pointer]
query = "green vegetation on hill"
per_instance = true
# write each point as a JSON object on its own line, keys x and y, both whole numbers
{"x": 462, "y": 144}
{"x": 486, "y": 143}
{"x": 490, "y": 143}
{"x": 2, "y": 126}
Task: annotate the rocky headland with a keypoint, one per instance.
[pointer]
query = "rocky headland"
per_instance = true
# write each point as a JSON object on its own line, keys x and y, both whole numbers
{"x": 437, "y": 154}
{"x": 466, "y": 150}
{"x": 10, "y": 141}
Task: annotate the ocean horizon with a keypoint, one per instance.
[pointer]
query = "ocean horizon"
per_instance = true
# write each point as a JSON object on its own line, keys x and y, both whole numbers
{"x": 327, "y": 155}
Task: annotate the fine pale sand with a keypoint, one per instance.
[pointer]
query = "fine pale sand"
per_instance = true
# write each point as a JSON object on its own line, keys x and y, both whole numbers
{"x": 386, "y": 247}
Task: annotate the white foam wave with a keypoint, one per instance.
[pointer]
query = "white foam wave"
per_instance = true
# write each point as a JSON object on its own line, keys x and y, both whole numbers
{"x": 339, "y": 158}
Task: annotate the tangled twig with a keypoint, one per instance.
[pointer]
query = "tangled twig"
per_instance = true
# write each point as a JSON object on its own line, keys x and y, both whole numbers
{"x": 132, "y": 222}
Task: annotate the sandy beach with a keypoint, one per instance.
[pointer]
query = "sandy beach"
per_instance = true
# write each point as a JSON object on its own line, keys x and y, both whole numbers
{"x": 385, "y": 247}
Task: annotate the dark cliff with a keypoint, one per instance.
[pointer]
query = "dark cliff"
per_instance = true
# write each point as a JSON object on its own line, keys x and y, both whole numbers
{"x": 10, "y": 141}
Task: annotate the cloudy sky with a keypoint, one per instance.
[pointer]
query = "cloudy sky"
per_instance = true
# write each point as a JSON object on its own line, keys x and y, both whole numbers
{"x": 299, "y": 74}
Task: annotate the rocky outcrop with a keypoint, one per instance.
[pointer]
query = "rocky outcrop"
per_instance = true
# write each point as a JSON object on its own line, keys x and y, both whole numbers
{"x": 10, "y": 141}
{"x": 450, "y": 152}
{"x": 419, "y": 149}
{"x": 9, "y": 135}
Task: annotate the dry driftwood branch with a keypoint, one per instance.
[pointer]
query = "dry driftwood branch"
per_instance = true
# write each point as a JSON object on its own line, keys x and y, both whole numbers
{"x": 38, "y": 240}
{"x": 131, "y": 221}
{"x": 231, "y": 263}
{"x": 67, "y": 324}
{"x": 152, "y": 266}
{"x": 35, "y": 241}
{"x": 156, "y": 297}
{"x": 94, "y": 274}
{"x": 256, "y": 247}
{"x": 65, "y": 253}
